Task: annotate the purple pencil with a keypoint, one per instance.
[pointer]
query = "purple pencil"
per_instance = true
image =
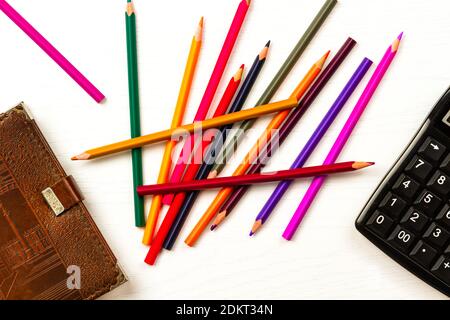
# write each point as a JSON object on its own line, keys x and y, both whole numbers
{"x": 312, "y": 142}
{"x": 343, "y": 137}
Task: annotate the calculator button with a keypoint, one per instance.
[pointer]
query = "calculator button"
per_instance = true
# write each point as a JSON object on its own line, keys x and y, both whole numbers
{"x": 423, "y": 254}
{"x": 380, "y": 223}
{"x": 419, "y": 168}
{"x": 406, "y": 187}
{"x": 432, "y": 149}
{"x": 444, "y": 216}
{"x": 436, "y": 235}
{"x": 401, "y": 239}
{"x": 393, "y": 205}
{"x": 414, "y": 220}
{"x": 442, "y": 269}
{"x": 429, "y": 203}
{"x": 445, "y": 165}
{"x": 440, "y": 183}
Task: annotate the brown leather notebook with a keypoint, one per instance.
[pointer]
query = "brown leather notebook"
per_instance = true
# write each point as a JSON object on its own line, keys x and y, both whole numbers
{"x": 50, "y": 248}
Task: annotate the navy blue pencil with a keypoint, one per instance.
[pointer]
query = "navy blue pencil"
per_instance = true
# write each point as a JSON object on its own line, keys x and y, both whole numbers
{"x": 215, "y": 147}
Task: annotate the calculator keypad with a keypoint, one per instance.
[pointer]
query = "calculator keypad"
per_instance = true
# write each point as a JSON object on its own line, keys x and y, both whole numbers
{"x": 442, "y": 268}
{"x": 413, "y": 214}
{"x": 406, "y": 187}
{"x": 428, "y": 202}
{"x": 432, "y": 149}
{"x": 380, "y": 223}
{"x": 444, "y": 216}
{"x": 414, "y": 220}
{"x": 419, "y": 168}
{"x": 402, "y": 239}
{"x": 423, "y": 254}
{"x": 393, "y": 205}
{"x": 439, "y": 183}
{"x": 445, "y": 165}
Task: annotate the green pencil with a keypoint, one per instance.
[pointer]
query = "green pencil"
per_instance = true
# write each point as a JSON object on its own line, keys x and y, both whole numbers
{"x": 227, "y": 151}
{"x": 135, "y": 121}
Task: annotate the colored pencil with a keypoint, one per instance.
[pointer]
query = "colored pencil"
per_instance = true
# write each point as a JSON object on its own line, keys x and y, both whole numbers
{"x": 186, "y": 129}
{"x": 210, "y": 91}
{"x": 180, "y": 108}
{"x": 215, "y": 146}
{"x": 343, "y": 136}
{"x": 286, "y": 128}
{"x": 135, "y": 121}
{"x": 250, "y": 179}
{"x": 227, "y": 151}
{"x": 191, "y": 171}
{"x": 254, "y": 152}
{"x": 313, "y": 141}
{"x": 51, "y": 51}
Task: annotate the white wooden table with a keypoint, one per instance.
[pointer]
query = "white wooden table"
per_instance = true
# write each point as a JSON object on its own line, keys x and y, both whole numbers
{"x": 328, "y": 258}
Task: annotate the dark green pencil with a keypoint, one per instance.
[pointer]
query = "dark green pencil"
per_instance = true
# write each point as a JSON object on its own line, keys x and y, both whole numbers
{"x": 228, "y": 150}
{"x": 135, "y": 119}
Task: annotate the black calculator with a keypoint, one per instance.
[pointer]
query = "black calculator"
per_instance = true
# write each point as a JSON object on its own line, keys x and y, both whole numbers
{"x": 408, "y": 215}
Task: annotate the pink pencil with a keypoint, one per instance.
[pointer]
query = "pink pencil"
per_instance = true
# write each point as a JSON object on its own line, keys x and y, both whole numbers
{"x": 210, "y": 91}
{"x": 343, "y": 137}
{"x": 51, "y": 51}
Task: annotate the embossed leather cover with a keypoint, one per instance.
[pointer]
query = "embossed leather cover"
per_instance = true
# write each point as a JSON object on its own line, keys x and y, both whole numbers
{"x": 42, "y": 255}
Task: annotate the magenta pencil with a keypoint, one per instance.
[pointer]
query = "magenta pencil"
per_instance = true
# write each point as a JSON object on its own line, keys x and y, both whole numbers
{"x": 343, "y": 137}
{"x": 51, "y": 51}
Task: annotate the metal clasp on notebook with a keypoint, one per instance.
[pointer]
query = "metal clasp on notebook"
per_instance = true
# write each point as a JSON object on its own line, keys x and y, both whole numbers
{"x": 63, "y": 195}
{"x": 53, "y": 201}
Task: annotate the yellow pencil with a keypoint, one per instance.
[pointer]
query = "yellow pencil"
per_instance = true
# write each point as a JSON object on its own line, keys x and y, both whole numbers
{"x": 187, "y": 129}
{"x": 180, "y": 108}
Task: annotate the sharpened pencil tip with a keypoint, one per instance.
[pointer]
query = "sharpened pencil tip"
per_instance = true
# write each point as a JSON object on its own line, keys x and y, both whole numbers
{"x": 264, "y": 51}
{"x": 238, "y": 75}
{"x": 199, "y": 32}
{"x": 251, "y": 233}
{"x": 212, "y": 174}
{"x": 396, "y": 43}
{"x": 83, "y": 156}
{"x": 130, "y": 8}
{"x": 256, "y": 226}
{"x": 219, "y": 219}
{"x": 322, "y": 60}
{"x": 360, "y": 165}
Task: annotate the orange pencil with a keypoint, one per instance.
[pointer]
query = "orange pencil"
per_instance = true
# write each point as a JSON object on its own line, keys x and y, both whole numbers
{"x": 191, "y": 171}
{"x": 254, "y": 152}
{"x": 180, "y": 108}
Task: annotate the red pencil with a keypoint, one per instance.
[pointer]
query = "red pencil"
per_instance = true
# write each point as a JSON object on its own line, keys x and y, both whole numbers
{"x": 210, "y": 91}
{"x": 252, "y": 178}
{"x": 191, "y": 171}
